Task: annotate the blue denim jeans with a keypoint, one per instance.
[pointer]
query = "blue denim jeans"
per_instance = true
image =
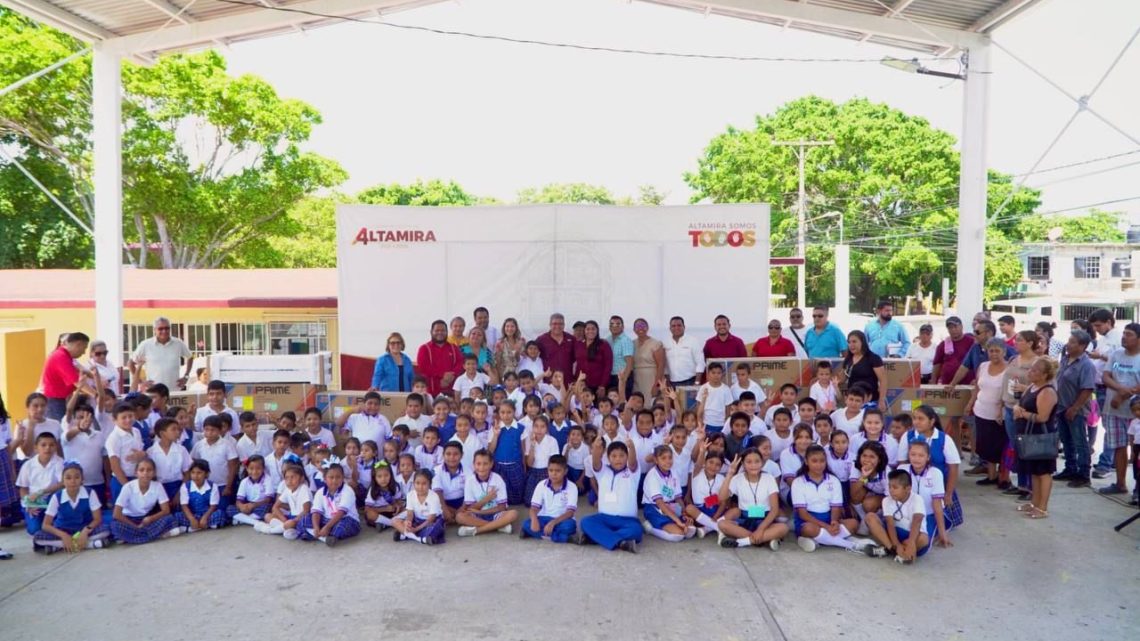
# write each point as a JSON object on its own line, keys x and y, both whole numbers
{"x": 1105, "y": 461}
{"x": 1074, "y": 438}
{"x": 1024, "y": 481}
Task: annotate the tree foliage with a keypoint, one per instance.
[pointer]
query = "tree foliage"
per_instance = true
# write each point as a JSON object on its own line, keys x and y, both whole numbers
{"x": 1096, "y": 226}
{"x": 431, "y": 193}
{"x": 567, "y": 193}
{"x": 891, "y": 177}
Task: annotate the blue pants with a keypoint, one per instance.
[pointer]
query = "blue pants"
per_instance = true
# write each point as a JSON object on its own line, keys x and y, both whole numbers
{"x": 561, "y": 534}
{"x": 714, "y": 429}
{"x": 1105, "y": 462}
{"x": 608, "y": 530}
{"x": 117, "y": 487}
{"x": 1024, "y": 481}
{"x": 1074, "y": 438}
{"x": 57, "y": 408}
{"x": 33, "y": 524}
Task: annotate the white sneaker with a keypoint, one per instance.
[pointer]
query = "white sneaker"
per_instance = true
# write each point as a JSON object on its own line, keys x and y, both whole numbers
{"x": 507, "y": 529}
{"x": 261, "y": 528}
{"x": 806, "y": 544}
{"x": 646, "y": 526}
{"x": 719, "y": 538}
{"x": 702, "y": 532}
{"x": 875, "y": 551}
{"x": 291, "y": 534}
{"x": 467, "y": 530}
{"x": 774, "y": 544}
{"x": 690, "y": 532}
{"x": 174, "y": 531}
{"x": 97, "y": 543}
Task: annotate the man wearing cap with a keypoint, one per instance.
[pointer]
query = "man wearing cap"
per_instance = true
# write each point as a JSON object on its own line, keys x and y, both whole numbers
{"x": 923, "y": 351}
{"x": 950, "y": 353}
{"x": 824, "y": 339}
{"x": 885, "y": 335}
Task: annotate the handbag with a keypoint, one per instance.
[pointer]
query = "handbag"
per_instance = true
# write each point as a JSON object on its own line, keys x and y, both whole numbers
{"x": 1037, "y": 447}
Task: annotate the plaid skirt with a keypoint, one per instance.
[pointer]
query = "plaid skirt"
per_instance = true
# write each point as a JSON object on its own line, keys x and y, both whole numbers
{"x": 258, "y": 512}
{"x": 433, "y": 531}
{"x": 141, "y": 534}
{"x": 9, "y": 495}
{"x": 953, "y": 511}
{"x": 46, "y": 538}
{"x": 346, "y": 528}
{"x": 514, "y": 476}
{"x": 217, "y": 519}
{"x": 534, "y": 476}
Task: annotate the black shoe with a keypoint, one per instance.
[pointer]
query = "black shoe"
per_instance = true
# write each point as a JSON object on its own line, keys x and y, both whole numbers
{"x": 1101, "y": 474}
{"x": 1004, "y": 485}
{"x": 977, "y": 470}
{"x": 628, "y": 545}
{"x": 729, "y": 542}
{"x": 1079, "y": 482}
{"x": 1024, "y": 496}
{"x": 397, "y": 536}
{"x": 1012, "y": 490}
{"x": 1065, "y": 476}
{"x": 986, "y": 481}
{"x": 580, "y": 538}
{"x": 1109, "y": 490}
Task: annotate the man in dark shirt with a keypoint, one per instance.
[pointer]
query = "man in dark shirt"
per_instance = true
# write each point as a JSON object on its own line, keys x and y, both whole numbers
{"x": 724, "y": 344}
{"x": 557, "y": 348}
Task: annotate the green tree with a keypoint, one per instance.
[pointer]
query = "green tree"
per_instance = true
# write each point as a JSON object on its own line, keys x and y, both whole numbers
{"x": 567, "y": 193}
{"x": 1096, "y": 226}
{"x": 891, "y": 177}
{"x": 308, "y": 237}
{"x": 431, "y": 193}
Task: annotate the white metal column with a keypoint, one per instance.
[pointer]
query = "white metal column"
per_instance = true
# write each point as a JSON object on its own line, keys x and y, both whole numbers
{"x": 108, "y": 179}
{"x": 972, "y": 186}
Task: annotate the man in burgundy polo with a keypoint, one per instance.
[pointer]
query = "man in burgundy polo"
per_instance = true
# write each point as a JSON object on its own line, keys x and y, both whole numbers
{"x": 61, "y": 375}
{"x": 724, "y": 344}
{"x": 557, "y": 348}
{"x": 439, "y": 361}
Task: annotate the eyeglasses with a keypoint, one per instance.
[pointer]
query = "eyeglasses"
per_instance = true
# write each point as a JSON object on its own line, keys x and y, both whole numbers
{"x": 817, "y": 315}
{"x": 795, "y": 316}
{"x": 395, "y": 343}
{"x": 773, "y": 327}
{"x": 162, "y": 329}
{"x": 99, "y": 353}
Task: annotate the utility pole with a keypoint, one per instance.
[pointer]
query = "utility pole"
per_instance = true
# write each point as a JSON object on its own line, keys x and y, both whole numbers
{"x": 801, "y": 151}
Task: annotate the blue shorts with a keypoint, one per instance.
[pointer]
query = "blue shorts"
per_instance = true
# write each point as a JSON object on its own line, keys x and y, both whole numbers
{"x": 904, "y": 536}
{"x": 707, "y": 511}
{"x": 489, "y": 517}
{"x": 749, "y": 523}
{"x": 799, "y": 523}
{"x": 574, "y": 474}
{"x": 454, "y": 504}
{"x": 714, "y": 429}
{"x": 655, "y": 517}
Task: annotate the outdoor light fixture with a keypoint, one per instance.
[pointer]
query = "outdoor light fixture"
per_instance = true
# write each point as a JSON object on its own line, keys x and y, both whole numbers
{"x": 912, "y": 66}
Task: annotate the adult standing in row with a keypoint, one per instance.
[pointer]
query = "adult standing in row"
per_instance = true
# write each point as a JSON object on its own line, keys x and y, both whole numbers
{"x": 621, "y": 376}
{"x": 774, "y": 345}
{"x": 723, "y": 344}
{"x": 864, "y": 366}
{"x": 160, "y": 357}
{"x": 648, "y": 360}
{"x": 824, "y": 339}
{"x": 795, "y": 331}
{"x": 923, "y": 351}
{"x": 950, "y": 353}
{"x": 1013, "y": 386}
{"x": 1076, "y": 382}
{"x": 886, "y": 336}
{"x": 1122, "y": 377}
{"x": 483, "y": 322}
{"x": 61, "y": 375}
{"x": 108, "y": 371}
{"x": 683, "y": 357}
{"x": 985, "y": 406}
{"x": 558, "y": 348}
{"x": 439, "y": 361}
{"x": 393, "y": 371}
{"x": 593, "y": 357}
{"x": 509, "y": 348}
{"x": 1104, "y": 324}
{"x": 477, "y": 346}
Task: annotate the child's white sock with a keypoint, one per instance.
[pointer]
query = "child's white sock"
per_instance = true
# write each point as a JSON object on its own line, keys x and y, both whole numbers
{"x": 58, "y": 545}
{"x": 825, "y": 538}
{"x": 743, "y": 542}
{"x": 690, "y": 531}
{"x": 383, "y": 520}
{"x": 246, "y": 519}
{"x": 276, "y": 527}
{"x": 665, "y": 536}
{"x": 706, "y": 520}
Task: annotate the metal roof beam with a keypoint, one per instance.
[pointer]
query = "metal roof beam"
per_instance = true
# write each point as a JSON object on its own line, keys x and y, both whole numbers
{"x": 65, "y": 21}
{"x": 849, "y": 20}
{"x": 256, "y": 20}
{"x": 1000, "y": 14}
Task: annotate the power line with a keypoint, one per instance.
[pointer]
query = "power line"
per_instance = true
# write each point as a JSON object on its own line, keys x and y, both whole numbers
{"x": 545, "y": 43}
{"x": 1078, "y": 163}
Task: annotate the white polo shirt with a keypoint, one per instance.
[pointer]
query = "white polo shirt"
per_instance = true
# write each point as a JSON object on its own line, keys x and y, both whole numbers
{"x": 929, "y": 485}
{"x": 208, "y": 488}
{"x": 617, "y": 491}
{"x": 369, "y": 428}
{"x": 790, "y": 462}
{"x": 92, "y": 501}
{"x": 247, "y": 447}
{"x": 343, "y": 501}
{"x": 122, "y": 443}
{"x": 470, "y": 446}
{"x": 463, "y": 384}
{"x": 450, "y": 486}
{"x": 772, "y": 412}
{"x": 684, "y": 358}
{"x": 218, "y": 455}
{"x": 162, "y": 361}
{"x": 779, "y": 444}
{"x": 324, "y": 436}
{"x": 205, "y": 412}
{"x": 545, "y": 449}
{"x": 840, "y": 466}
{"x": 136, "y": 503}
{"x": 577, "y": 458}
{"x": 753, "y": 387}
{"x": 294, "y": 500}
{"x": 753, "y": 494}
{"x": 87, "y": 448}
{"x": 850, "y": 425}
{"x": 275, "y": 468}
{"x": 172, "y": 465}
{"x": 682, "y": 463}
{"x": 37, "y": 477}
{"x": 430, "y": 460}
{"x": 817, "y": 497}
{"x": 251, "y": 491}
{"x": 716, "y": 399}
{"x": 553, "y": 504}
{"x": 475, "y": 488}
{"x": 644, "y": 446}
{"x": 904, "y": 512}
{"x": 889, "y": 443}
{"x": 46, "y": 426}
{"x": 430, "y": 506}
{"x": 701, "y": 487}
{"x": 659, "y": 485}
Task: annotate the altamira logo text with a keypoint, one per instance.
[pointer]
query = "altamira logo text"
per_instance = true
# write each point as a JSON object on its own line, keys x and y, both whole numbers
{"x": 366, "y": 236}
{"x": 721, "y": 234}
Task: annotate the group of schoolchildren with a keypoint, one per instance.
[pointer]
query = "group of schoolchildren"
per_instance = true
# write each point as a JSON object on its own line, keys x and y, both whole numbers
{"x": 745, "y": 465}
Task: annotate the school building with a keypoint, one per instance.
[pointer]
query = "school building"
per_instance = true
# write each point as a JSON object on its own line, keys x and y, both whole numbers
{"x": 243, "y": 311}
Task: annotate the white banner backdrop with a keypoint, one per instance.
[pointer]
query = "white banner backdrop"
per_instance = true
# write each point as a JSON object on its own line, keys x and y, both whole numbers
{"x": 400, "y": 268}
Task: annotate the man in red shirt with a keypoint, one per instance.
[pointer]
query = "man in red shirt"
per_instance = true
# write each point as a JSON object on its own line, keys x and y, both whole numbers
{"x": 60, "y": 375}
{"x": 439, "y": 361}
{"x": 724, "y": 344}
{"x": 774, "y": 345}
{"x": 950, "y": 353}
{"x": 557, "y": 348}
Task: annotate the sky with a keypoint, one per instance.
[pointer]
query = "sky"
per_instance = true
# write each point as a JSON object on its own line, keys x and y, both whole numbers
{"x": 497, "y": 117}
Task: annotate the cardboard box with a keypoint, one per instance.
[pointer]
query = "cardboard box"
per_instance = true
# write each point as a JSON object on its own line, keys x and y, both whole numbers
{"x": 333, "y": 404}
{"x": 771, "y": 373}
{"x": 946, "y": 403}
{"x": 186, "y": 399}
{"x": 902, "y": 372}
{"x": 272, "y": 397}
{"x": 687, "y": 397}
{"x": 314, "y": 369}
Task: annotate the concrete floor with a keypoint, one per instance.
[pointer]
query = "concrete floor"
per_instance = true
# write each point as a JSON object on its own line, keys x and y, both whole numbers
{"x": 1069, "y": 577}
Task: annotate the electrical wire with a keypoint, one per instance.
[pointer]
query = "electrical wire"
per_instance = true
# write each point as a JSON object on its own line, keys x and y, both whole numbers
{"x": 545, "y": 43}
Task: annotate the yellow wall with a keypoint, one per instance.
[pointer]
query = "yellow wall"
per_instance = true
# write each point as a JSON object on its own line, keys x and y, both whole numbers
{"x": 22, "y": 356}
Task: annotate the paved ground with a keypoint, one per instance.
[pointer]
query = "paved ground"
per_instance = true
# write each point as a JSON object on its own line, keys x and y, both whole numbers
{"x": 1069, "y": 577}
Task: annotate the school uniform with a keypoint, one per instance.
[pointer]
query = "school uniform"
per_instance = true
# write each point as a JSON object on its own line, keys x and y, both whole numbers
{"x": 771, "y": 413}
{"x": 294, "y": 500}
{"x": 644, "y": 446}
{"x": 752, "y": 498}
{"x": 405, "y": 485}
{"x": 943, "y": 454}
{"x": 37, "y": 477}
{"x": 552, "y": 503}
{"x": 366, "y": 427}
{"x": 889, "y": 443}
{"x": 817, "y": 498}
{"x": 850, "y": 425}
{"x": 705, "y": 492}
{"x": 790, "y": 463}
{"x": 218, "y": 454}
{"x": 667, "y": 487}
{"x": 902, "y": 513}
{"x": 475, "y": 490}
{"x": 170, "y": 467}
{"x": 379, "y": 499}
{"x": 753, "y": 387}
{"x": 779, "y": 443}
{"x": 577, "y": 460}
{"x": 418, "y": 424}
{"x": 716, "y": 400}
{"x": 205, "y": 412}
{"x": 327, "y": 505}
{"x": 536, "y": 473}
{"x": 560, "y": 432}
{"x": 122, "y": 443}
{"x": 325, "y": 436}
{"x": 46, "y": 426}
{"x": 876, "y": 485}
{"x": 429, "y": 460}
{"x": 823, "y": 395}
{"x": 199, "y": 499}
{"x": 509, "y": 462}
{"x": 423, "y": 510}
{"x": 931, "y": 487}
{"x": 470, "y": 445}
{"x": 449, "y": 485}
{"x": 252, "y": 491}
{"x": 464, "y": 384}
{"x": 447, "y": 430}
{"x": 682, "y": 464}
{"x": 275, "y": 468}
{"x": 616, "y": 520}
{"x": 71, "y": 516}
{"x": 136, "y": 505}
{"x": 87, "y": 449}
{"x": 247, "y": 447}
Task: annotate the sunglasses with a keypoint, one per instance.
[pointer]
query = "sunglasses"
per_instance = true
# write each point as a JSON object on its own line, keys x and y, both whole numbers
{"x": 162, "y": 329}
{"x": 817, "y": 315}
{"x": 99, "y": 353}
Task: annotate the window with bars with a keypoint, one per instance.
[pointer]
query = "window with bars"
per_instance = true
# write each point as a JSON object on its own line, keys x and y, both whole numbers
{"x": 307, "y": 337}
{"x": 1038, "y": 267}
{"x": 1086, "y": 267}
{"x": 240, "y": 338}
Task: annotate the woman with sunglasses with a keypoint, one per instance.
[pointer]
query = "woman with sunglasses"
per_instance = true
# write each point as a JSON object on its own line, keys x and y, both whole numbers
{"x": 393, "y": 371}
{"x": 108, "y": 371}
